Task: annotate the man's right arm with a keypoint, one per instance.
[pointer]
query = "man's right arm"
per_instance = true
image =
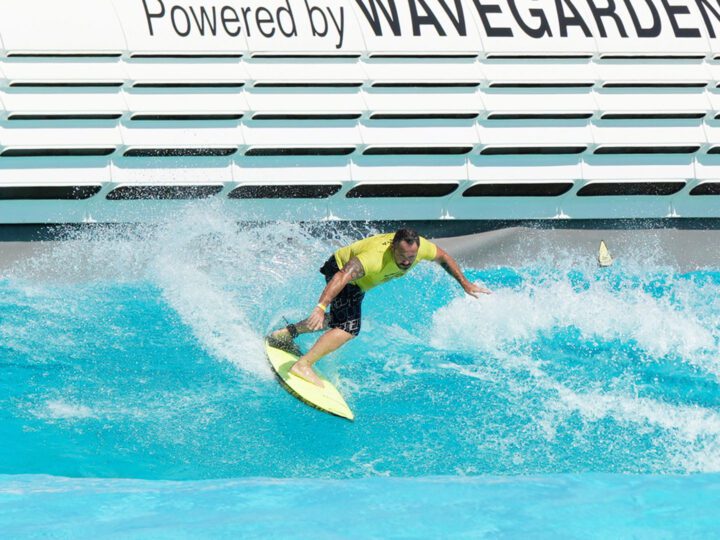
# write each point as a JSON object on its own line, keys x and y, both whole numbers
{"x": 352, "y": 270}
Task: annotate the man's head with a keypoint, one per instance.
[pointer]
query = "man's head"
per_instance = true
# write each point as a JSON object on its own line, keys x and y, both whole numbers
{"x": 405, "y": 245}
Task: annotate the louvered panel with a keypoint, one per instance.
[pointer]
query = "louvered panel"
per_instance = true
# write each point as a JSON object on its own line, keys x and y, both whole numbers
{"x": 76, "y": 73}
{"x": 423, "y": 73}
{"x": 187, "y": 72}
{"x": 94, "y": 139}
{"x": 402, "y": 104}
{"x": 265, "y": 139}
{"x": 63, "y": 105}
{"x": 46, "y": 206}
{"x": 540, "y": 73}
{"x": 269, "y": 172}
{"x": 369, "y": 179}
{"x": 622, "y": 138}
{"x": 545, "y": 137}
{"x": 523, "y": 170}
{"x": 538, "y": 104}
{"x": 625, "y": 74}
{"x": 327, "y": 73}
{"x": 418, "y": 137}
{"x": 305, "y": 104}
{"x": 188, "y": 102}
{"x": 678, "y": 103}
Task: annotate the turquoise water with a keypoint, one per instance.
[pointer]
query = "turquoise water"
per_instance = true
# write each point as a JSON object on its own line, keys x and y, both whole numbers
{"x": 135, "y": 399}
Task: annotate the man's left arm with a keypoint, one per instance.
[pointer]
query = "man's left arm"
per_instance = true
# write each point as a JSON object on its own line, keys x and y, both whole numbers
{"x": 451, "y": 267}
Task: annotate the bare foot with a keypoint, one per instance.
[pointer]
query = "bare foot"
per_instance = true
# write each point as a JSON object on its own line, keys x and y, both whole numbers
{"x": 304, "y": 371}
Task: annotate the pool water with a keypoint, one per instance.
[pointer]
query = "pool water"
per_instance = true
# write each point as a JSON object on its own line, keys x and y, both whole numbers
{"x": 135, "y": 398}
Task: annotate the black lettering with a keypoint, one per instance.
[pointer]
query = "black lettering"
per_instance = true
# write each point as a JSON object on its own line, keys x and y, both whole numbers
{"x": 701, "y": 4}
{"x": 490, "y": 30}
{"x": 391, "y": 16}
{"x": 312, "y": 11}
{"x": 288, "y": 12}
{"x": 428, "y": 18}
{"x": 654, "y": 30}
{"x": 212, "y": 23}
{"x": 340, "y": 25}
{"x": 264, "y": 17}
{"x": 540, "y": 31}
{"x": 673, "y": 12}
{"x": 245, "y": 12}
{"x": 149, "y": 16}
{"x": 457, "y": 20}
{"x": 608, "y": 11}
{"x": 178, "y": 9}
{"x": 565, "y": 21}
{"x": 232, "y": 18}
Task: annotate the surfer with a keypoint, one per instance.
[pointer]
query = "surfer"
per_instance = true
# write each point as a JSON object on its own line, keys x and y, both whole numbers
{"x": 349, "y": 273}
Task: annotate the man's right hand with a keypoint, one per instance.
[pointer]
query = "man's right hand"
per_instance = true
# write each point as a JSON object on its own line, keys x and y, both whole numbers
{"x": 316, "y": 320}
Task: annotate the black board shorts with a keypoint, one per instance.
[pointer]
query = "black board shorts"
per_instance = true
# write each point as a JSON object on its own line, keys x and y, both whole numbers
{"x": 345, "y": 312}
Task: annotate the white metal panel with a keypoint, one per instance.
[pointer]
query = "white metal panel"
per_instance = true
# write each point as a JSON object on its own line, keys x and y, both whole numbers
{"x": 295, "y": 28}
{"x": 652, "y": 33}
{"x": 28, "y": 26}
{"x": 279, "y": 71}
{"x": 267, "y": 135}
{"x": 620, "y": 207}
{"x": 62, "y": 102}
{"x": 629, "y": 169}
{"x": 166, "y": 172}
{"x": 652, "y": 101}
{"x": 153, "y": 27}
{"x": 540, "y": 71}
{"x": 187, "y": 101}
{"x": 18, "y": 71}
{"x": 144, "y": 71}
{"x": 304, "y": 101}
{"x": 392, "y": 31}
{"x": 628, "y": 133}
{"x": 143, "y": 135}
{"x": 538, "y": 101}
{"x": 653, "y": 72}
{"x": 503, "y": 34}
{"x": 250, "y": 173}
{"x": 418, "y": 134}
{"x": 57, "y": 136}
{"x": 405, "y": 71}
{"x": 545, "y": 133}
{"x": 390, "y": 208}
{"x": 527, "y": 169}
{"x": 395, "y": 100}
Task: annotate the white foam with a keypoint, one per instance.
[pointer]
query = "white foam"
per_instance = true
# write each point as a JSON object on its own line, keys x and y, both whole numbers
{"x": 62, "y": 410}
{"x": 515, "y": 319}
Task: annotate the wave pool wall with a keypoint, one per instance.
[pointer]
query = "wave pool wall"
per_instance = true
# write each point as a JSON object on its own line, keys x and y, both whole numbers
{"x": 121, "y": 110}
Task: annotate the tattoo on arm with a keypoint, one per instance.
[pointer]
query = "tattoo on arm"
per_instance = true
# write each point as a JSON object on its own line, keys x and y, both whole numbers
{"x": 355, "y": 268}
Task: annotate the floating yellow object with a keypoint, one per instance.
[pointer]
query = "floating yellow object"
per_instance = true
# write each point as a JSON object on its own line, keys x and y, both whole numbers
{"x": 326, "y": 398}
{"x": 604, "y": 257}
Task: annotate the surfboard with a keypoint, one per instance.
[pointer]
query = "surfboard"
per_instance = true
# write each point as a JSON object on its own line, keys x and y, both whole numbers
{"x": 326, "y": 399}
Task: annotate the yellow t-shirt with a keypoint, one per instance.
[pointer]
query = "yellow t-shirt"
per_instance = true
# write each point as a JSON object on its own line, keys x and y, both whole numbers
{"x": 375, "y": 254}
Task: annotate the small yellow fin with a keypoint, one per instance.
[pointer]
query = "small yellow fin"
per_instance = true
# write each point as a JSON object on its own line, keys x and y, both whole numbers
{"x": 604, "y": 257}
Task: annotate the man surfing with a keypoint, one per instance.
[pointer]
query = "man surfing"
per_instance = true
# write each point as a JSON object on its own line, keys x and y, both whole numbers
{"x": 350, "y": 272}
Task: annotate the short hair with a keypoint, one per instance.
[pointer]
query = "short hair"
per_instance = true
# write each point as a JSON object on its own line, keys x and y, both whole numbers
{"x": 406, "y": 235}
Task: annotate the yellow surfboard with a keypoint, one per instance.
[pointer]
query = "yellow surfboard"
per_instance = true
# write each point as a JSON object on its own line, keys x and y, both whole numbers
{"x": 326, "y": 399}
